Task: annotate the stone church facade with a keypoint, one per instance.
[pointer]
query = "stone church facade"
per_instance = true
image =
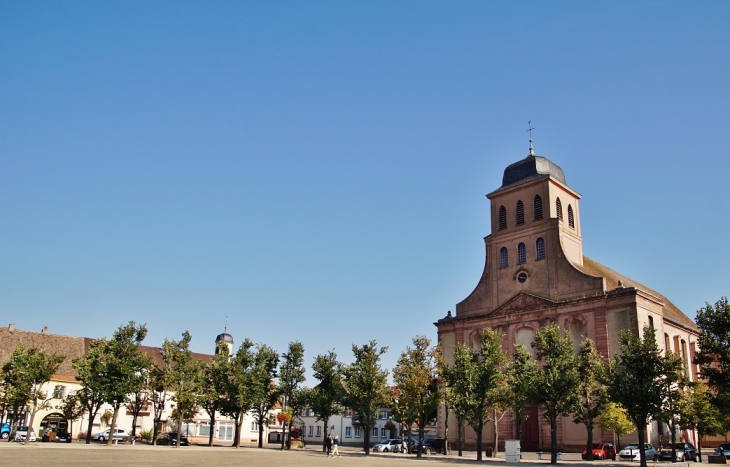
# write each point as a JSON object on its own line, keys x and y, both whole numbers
{"x": 535, "y": 274}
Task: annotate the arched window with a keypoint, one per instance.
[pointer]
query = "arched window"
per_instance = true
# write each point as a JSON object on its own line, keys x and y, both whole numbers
{"x": 520, "y": 213}
{"x": 559, "y": 209}
{"x": 571, "y": 221}
{"x": 521, "y": 253}
{"x": 502, "y": 218}
{"x": 651, "y": 322}
{"x": 538, "y": 207}
{"x": 503, "y": 258}
{"x": 540, "y": 248}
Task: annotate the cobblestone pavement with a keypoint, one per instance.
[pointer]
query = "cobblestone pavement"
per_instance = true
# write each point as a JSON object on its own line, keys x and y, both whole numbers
{"x": 53, "y": 454}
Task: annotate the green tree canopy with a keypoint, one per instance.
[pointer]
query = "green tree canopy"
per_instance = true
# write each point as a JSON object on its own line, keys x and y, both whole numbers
{"x": 714, "y": 352}
{"x": 592, "y": 390}
{"x": 556, "y": 381}
{"x": 366, "y": 386}
{"x": 325, "y": 399}
{"x": 291, "y": 376}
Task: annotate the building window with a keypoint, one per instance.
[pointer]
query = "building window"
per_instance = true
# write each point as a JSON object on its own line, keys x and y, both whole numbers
{"x": 375, "y": 432}
{"x": 254, "y": 426}
{"x": 502, "y": 218}
{"x": 225, "y": 432}
{"x": 311, "y": 430}
{"x": 58, "y": 392}
{"x": 651, "y": 322}
{"x": 348, "y": 432}
{"x": 503, "y": 258}
{"x": 357, "y": 432}
{"x": 540, "y": 248}
{"x": 571, "y": 220}
{"x": 538, "y": 207}
{"x": 347, "y": 412}
{"x": 319, "y": 430}
{"x": 520, "y": 213}
{"x": 559, "y": 209}
{"x": 667, "y": 349}
{"x": 521, "y": 253}
{"x": 382, "y": 433}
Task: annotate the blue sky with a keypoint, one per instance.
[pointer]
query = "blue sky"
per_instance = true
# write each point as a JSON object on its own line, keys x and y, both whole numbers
{"x": 316, "y": 171}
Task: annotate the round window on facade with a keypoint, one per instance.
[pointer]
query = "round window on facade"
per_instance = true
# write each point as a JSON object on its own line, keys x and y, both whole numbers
{"x": 522, "y": 277}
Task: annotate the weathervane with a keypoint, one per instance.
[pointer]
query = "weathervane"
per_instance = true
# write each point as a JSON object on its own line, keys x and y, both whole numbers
{"x": 225, "y": 329}
{"x": 529, "y": 129}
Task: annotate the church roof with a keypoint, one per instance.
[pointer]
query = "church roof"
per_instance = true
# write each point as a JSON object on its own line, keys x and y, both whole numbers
{"x": 528, "y": 169}
{"x": 671, "y": 312}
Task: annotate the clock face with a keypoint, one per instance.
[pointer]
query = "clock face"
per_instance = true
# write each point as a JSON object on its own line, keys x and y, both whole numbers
{"x": 522, "y": 277}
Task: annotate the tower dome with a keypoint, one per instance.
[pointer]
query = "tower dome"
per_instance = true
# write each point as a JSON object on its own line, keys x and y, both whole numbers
{"x": 530, "y": 168}
{"x": 226, "y": 339}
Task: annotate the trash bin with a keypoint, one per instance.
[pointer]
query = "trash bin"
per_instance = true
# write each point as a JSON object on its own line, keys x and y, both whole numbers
{"x": 512, "y": 451}
{"x": 489, "y": 451}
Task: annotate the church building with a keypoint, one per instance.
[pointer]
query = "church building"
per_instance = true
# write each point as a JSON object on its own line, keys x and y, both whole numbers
{"x": 535, "y": 274}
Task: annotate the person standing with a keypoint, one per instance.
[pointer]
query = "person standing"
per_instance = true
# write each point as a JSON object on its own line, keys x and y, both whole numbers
{"x": 335, "y": 446}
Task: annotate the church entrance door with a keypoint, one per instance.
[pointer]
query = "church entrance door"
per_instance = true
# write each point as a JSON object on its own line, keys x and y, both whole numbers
{"x": 530, "y": 430}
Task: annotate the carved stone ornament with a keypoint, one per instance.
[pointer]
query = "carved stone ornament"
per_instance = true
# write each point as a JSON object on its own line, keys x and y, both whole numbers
{"x": 523, "y": 302}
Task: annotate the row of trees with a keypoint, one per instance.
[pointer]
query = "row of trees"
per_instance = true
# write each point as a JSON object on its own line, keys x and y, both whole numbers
{"x": 480, "y": 385}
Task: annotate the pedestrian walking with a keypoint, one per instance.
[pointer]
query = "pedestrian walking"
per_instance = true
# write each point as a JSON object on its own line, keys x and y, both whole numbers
{"x": 335, "y": 446}
{"x": 328, "y": 445}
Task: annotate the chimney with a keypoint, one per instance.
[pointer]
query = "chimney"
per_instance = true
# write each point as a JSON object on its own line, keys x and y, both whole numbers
{"x": 11, "y": 328}
{"x": 44, "y": 330}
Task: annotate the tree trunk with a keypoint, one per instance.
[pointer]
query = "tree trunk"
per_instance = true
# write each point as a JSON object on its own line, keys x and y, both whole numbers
{"x": 261, "y": 434}
{"x": 409, "y": 434}
{"x": 288, "y": 440}
{"x": 642, "y": 454}
{"x": 478, "y": 431}
{"x": 110, "y": 441}
{"x": 495, "y": 439}
{"x": 366, "y": 440}
{"x": 92, "y": 416}
{"x": 212, "y": 429}
{"x": 179, "y": 425}
{"x": 134, "y": 423}
{"x": 446, "y": 429}
{"x": 32, "y": 417}
{"x": 589, "y": 445}
{"x": 237, "y": 436}
{"x": 461, "y": 437}
{"x": 324, "y": 438}
{"x": 421, "y": 424}
{"x": 674, "y": 440}
{"x": 554, "y": 439}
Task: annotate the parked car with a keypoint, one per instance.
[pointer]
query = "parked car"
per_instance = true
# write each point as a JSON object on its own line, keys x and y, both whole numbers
{"x": 119, "y": 434}
{"x": 171, "y": 439}
{"x": 723, "y": 450}
{"x": 5, "y": 431}
{"x": 61, "y": 436}
{"x": 433, "y": 445}
{"x": 685, "y": 452}
{"x": 632, "y": 452}
{"x": 21, "y": 432}
{"x": 388, "y": 445}
{"x": 601, "y": 451}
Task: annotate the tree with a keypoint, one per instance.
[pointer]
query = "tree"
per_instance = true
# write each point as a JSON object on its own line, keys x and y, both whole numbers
{"x": 614, "y": 418}
{"x": 416, "y": 377}
{"x": 123, "y": 364}
{"x": 159, "y": 396}
{"x": 592, "y": 391}
{"x": 556, "y": 382}
{"x": 366, "y": 386}
{"x": 265, "y": 394}
{"x": 213, "y": 379}
{"x": 239, "y": 387}
{"x": 72, "y": 409}
{"x": 713, "y": 356}
{"x": 521, "y": 371}
{"x": 28, "y": 370}
{"x": 698, "y": 413}
{"x": 673, "y": 383}
{"x": 291, "y": 376}
{"x": 181, "y": 378}
{"x": 139, "y": 400}
{"x": 91, "y": 375}
{"x": 636, "y": 380}
{"x": 326, "y": 397}
{"x": 476, "y": 381}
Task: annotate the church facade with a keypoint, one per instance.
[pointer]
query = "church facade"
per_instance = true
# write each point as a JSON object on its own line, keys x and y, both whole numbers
{"x": 535, "y": 274}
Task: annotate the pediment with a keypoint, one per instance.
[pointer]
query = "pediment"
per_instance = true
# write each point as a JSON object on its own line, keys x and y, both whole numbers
{"x": 523, "y": 302}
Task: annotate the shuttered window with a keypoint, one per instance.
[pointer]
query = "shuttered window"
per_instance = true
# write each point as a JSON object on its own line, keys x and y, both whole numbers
{"x": 538, "y": 207}
{"x": 502, "y": 218}
{"x": 520, "y": 213}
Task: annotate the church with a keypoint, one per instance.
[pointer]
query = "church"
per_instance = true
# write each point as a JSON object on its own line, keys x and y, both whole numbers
{"x": 535, "y": 274}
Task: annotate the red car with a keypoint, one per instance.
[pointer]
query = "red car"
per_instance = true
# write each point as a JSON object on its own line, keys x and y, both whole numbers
{"x": 601, "y": 451}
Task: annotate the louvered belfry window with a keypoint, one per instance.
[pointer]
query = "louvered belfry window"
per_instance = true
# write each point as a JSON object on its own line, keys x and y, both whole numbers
{"x": 538, "y": 207}
{"x": 571, "y": 221}
{"x": 520, "y": 213}
{"x": 559, "y": 208}
{"x": 502, "y": 218}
